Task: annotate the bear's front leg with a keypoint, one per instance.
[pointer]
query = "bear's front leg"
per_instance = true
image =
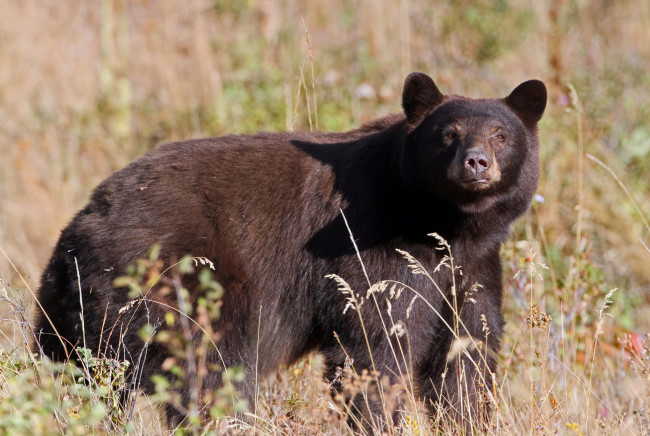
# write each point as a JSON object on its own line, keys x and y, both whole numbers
{"x": 458, "y": 384}
{"x": 357, "y": 392}
{"x": 464, "y": 388}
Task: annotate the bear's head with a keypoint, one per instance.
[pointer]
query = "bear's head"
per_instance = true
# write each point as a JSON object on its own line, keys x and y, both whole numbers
{"x": 472, "y": 152}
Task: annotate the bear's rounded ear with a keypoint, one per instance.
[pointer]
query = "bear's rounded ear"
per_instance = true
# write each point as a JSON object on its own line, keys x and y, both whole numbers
{"x": 528, "y": 100}
{"x": 420, "y": 95}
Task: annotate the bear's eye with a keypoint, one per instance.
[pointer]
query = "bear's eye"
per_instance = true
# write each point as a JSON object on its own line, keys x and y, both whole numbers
{"x": 450, "y": 135}
{"x": 500, "y": 138}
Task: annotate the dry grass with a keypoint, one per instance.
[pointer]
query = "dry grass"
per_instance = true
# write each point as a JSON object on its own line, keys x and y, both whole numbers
{"x": 88, "y": 86}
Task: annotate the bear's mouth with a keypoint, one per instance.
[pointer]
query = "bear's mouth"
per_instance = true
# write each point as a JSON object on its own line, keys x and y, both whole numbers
{"x": 476, "y": 184}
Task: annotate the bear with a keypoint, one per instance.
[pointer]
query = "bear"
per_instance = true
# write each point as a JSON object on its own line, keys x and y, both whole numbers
{"x": 299, "y": 225}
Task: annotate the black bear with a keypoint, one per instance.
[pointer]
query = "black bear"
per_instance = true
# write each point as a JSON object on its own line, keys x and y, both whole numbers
{"x": 278, "y": 214}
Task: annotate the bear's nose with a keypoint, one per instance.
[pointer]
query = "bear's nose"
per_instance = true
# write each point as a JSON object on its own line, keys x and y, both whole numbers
{"x": 477, "y": 161}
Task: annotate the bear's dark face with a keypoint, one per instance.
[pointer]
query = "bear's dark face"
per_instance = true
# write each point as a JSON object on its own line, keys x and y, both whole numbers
{"x": 467, "y": 146}
{"x": 470, "y": 150}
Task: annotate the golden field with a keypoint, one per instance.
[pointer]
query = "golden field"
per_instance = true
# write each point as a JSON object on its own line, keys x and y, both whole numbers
{"x": 86, "y": 87}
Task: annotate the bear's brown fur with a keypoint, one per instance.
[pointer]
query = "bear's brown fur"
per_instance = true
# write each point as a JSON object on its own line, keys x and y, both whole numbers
{"x": 269, "y": 209}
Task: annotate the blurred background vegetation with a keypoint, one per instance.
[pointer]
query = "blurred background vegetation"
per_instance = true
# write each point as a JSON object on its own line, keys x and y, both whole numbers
{"x": 87, "y": 86}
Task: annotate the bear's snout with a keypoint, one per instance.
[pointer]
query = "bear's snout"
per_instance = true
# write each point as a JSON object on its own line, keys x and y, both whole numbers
{"x": 474, "y": 169}
{"x": 476, "y": 162}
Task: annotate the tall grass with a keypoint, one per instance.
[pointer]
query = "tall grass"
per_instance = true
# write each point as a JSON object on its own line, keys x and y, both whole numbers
{"x": 88, "y": 86}
{"x": 562, "y": 376}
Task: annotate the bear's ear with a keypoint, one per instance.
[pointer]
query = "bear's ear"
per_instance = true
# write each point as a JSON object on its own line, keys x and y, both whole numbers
{"x": 420, "y": 95}
{"x": 528, "y": 100}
